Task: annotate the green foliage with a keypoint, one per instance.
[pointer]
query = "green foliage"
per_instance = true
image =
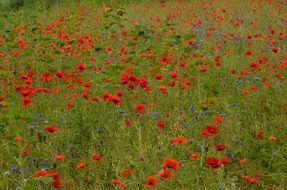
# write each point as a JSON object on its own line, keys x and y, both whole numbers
{"x": 140, "y": 40}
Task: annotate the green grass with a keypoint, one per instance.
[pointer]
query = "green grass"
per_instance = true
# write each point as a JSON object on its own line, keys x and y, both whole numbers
{"x": 57, "y": 38}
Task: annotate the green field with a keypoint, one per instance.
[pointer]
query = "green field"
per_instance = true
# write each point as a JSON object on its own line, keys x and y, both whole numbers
{"x": 182, "y": 95}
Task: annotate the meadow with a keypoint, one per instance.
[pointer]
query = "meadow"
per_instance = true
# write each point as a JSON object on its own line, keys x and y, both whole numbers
{"x": 183, "y": 95}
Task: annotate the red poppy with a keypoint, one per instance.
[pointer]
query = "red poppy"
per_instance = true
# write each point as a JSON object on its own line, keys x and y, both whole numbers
{"x": 212, "y": 163}
{"x": 69, "y": 105}
{"x": 179, "y": 140}
{"x": 158, "y": 76}
{"x": 223, "y": 160}
{"x": 193, "y": 156}
{"x": 151, "y": 182}
{"x": 161, "y": 124}
{"x": 272, "y": 138}
{"x": 51, "y": 129}
{"x": 250, "y": 180}
{"x": 139, "y": 108}
{"x": 173, "y": 74}
{"x": 260, "y": 134}
{"x": 128, "y": 122}
{"x": 2, "y": 99}
{"x": 283, "y": 64}
{"x": 81, "y": 66}
{"x": 212, "y": 129}
{"x": 248, "y": 52}
{"x": 218, "y": 119}
{"x": 204, "y": 134}
{"x": 81, "y": 165}
{"x": 116, "y": 181}
{"x": 96, "y": 157}
{"x": 108, "y": 49}
{"x": 126, "y": 172}
{"x": 123, "y": 186}
{"x": 40, "y": 173}
{"x": 170, "y": 163}
{"x": 26, "y": 101}
{"x": 220, "y": 147}
{"x": 116, "y": 100}
{"x": 275, "y": 49}
{"x": 243, "y": 161}
{"x": 59, "y": 157}
{"x": 203, "y": 68}
{"x": 163, "y": 89}
{"x": 56, "y": 182}
{"x": 166, "y": 174}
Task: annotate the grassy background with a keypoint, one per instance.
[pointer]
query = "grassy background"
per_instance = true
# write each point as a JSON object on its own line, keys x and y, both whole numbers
{"x": 91, "y": 128}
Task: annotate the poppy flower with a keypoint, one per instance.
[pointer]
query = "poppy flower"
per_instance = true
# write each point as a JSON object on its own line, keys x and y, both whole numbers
{"x": 223, "y": 160}
{"x": 56, "y": 182}
{"x": 212, "y": 129}
{"x": 250, "y": 180}
{"x": 116, "y": 181}
{"x": 283, "y": 64}
{"x": 161, "y": 124}
{"x": 81, "y": 165}
{"x": 96, "y": 157}
{"x": 2, "y": 99}
{"x": 218, "y": 119}
{"x": 220, "y": 147}
{"x": 81, "y": 66}
{"x": 170, "y": 163}
{"x": 173, "y": 75}
{"x": 272, "y": 138}
{"x": 40, "y": 173}
{"x": 166, "y": 174}
{"x": 26, "y": 101}
{"x": 108, "y": 49}
{"x": 260, "y": 134}
{"x": 126, "y": 172}
{"x": 193, "y": 156}
{"x": 203, "y": 68}
{"x": 179, "y": 140}
{"x": 212, "y": 163}
{"x": 123, "y": 186}
{"x": 21, "y": 43}
{"x": 171, "y": 83}
{"x": 151, "y": 182}
{"x": 51, "y": 129}
{"x": 204, "y": 134}
{"x": 128, "y": 122}
{"x": 163, "y": 89}
{"x": 59, "y": 157}
{"x": 18, "y": 138}
{"x": 116, "y": 100}
{"x": 139, "y": 108}
{"x": 275, "y": 49}
{"x": 158, "y": 76}
{"x": 243, "y": 161}
{"x": 248, "y": 52}
{"x": 69, "y": 105}
{"x": 107, "y": 96}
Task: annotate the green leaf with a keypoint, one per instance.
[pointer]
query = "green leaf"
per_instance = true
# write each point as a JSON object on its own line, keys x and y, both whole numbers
{"x": 187, "y": 49}
{"x": 188, "y": 36}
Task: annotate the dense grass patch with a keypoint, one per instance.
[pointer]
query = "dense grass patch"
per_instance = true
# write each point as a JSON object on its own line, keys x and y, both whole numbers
{"x": 149, "y": 94}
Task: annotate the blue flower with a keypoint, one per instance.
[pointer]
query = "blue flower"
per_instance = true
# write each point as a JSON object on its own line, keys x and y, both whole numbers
{"x": 15, "y": 169}
{"x": 99, "y": 130}
{"x": 229, "y": 153}
{"x": 191, "y": 109}
{"x": 233, "y": 104}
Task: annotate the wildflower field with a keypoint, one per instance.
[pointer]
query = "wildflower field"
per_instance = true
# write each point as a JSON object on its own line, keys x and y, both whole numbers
{"x": 166, "y": 95}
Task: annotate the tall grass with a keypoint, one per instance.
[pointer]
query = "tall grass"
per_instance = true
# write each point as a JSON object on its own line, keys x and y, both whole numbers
{"x": 13, "y": 5}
